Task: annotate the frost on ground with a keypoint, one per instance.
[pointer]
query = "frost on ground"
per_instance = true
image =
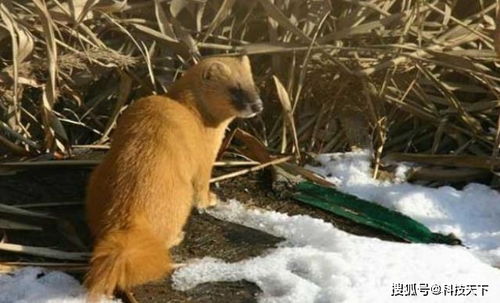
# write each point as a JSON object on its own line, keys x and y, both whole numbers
{"x": 472, "y": 214}
{"x": 319, "y": 263}
{"x": 35, "y": 285}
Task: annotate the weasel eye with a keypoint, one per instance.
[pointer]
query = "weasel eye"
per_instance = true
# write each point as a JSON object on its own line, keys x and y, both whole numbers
{"x": 236, "y": 93}
{"x": 238, "y": 97}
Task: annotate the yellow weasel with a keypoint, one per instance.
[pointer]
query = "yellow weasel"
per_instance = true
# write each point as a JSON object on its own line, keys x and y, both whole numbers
{"x": 159, "y": 166}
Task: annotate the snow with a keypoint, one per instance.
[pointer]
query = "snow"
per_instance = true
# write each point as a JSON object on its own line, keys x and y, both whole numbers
{"x": 36, "y": 285}
{"x": 472, "y": 214}
{"x": 319, "y": 263}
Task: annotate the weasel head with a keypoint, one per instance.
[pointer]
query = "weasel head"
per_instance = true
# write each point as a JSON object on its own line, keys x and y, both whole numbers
{"x": 227, "y": 89}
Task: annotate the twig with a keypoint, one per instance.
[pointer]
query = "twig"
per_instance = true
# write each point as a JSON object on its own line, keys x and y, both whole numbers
{"x": 447, "y": 174}
{"x": 94, "y": 162}
{"x": 92, "y": 146}
{"x": 6, "y": 267}
{"x": 18, "y": 136}
{"x": 248, "y": 170}
{"x": 235, "y": 163}
{"x": 51, "y": 163}
{"x": 482, "y": 162}
{"x": 8, "y": 224}
{"x": 44, "y": 252}
{"x": 17, "y": 211}
{"x": 16, "y": 149}
{"x": 49, "y": 204}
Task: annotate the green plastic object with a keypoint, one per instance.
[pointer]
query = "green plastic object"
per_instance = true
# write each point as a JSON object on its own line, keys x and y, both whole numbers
{"x": 370, "y": 214}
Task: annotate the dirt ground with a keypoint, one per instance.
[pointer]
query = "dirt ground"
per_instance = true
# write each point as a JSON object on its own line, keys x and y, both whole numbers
{"x": 205, "y": 235}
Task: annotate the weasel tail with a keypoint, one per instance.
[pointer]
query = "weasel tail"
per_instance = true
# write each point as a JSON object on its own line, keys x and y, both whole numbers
{"x": 125, "y": 258}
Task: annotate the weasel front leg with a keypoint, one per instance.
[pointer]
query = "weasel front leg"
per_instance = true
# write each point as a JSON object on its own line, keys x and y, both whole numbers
{"x": 203, "y": 197}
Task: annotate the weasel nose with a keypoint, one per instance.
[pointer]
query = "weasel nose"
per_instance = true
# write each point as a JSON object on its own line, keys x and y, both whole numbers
{"x": 257, "y": 106}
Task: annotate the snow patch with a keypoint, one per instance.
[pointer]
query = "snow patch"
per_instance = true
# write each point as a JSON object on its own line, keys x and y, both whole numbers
{"x": 319, "y": 263}
{"x": 472, "y": 214}
{"x": 36, "y": 285}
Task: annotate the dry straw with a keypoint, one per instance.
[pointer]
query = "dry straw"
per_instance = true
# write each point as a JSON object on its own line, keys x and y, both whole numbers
{"x": 395, "y": 76}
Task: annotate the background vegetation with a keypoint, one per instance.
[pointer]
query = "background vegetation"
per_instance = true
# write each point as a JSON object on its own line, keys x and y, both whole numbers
{"x": 414, "y": 76}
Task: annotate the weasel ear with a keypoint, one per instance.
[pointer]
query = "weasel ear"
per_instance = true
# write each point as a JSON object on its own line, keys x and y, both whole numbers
{"x": 216, "y": 70}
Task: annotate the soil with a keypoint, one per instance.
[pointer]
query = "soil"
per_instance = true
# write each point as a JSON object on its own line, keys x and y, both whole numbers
{"x": 205, "y": 235}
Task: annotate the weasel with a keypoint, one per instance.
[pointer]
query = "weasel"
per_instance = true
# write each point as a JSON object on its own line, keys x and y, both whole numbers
{"x": 159, "y": 165}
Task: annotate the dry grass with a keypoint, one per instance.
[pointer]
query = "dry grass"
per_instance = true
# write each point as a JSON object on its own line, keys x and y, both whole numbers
{"x": 396, "y": 76}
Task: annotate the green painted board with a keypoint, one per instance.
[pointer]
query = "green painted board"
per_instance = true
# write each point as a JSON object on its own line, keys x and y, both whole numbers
{"x": 370, "y": 214}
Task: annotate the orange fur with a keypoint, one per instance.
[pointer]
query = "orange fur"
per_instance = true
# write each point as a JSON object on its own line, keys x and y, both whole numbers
{"x": 158, "y": 167}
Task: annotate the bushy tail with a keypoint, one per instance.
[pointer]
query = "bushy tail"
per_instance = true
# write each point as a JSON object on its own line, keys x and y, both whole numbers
{"x": 125, "y": 258}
